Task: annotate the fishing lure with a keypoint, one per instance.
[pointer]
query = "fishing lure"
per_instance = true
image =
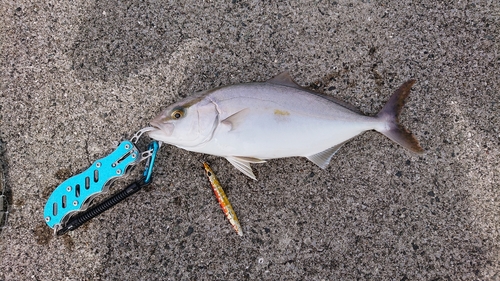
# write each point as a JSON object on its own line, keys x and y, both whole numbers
{"x": 223, "y": 201}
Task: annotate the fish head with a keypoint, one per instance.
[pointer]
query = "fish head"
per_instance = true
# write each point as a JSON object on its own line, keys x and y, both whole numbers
{"x": 187, "y": 123}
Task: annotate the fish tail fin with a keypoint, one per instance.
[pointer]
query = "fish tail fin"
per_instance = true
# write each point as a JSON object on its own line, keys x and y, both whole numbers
{"x": 390, "y": 115}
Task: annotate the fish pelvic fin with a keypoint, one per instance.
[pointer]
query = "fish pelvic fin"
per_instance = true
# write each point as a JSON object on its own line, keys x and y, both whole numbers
{"x": 243, "y": 164}
{"x": 390, "y": 114}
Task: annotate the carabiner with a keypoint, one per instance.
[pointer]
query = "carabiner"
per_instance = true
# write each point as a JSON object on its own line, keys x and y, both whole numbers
{"x": 154, "y": 146}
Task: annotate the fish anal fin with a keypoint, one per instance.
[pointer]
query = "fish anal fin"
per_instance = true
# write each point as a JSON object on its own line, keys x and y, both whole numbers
{"x": 323, "y": 158}
{"x": 243, "y": 165}
{"x": 236, "y": 119}
{"x": 284, "y": 79}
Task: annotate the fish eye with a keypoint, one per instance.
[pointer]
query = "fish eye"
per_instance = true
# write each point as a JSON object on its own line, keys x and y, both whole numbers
{"x": 176, "y": 114}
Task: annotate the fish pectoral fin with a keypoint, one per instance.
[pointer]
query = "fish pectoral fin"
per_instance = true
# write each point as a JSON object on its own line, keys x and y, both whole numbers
{"x": 236, "y": 119}
{"x": 323, "y": 158}
{"x": 243, "y": 164}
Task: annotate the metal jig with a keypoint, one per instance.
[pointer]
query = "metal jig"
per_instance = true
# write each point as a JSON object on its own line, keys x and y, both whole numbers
{"x": 223, "y": 200}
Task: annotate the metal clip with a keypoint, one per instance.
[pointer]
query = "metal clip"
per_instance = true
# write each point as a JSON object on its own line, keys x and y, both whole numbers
{"x": 135, "y": 138}
{"x": 154, "y": 146}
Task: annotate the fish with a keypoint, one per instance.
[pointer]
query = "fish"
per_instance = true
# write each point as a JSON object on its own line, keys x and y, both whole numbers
{"x": 253, "y": 122}
{"x": 224, "y": 203}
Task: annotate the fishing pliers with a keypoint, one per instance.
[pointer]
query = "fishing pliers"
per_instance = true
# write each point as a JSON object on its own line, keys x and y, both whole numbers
{"x": 68, "y": 206}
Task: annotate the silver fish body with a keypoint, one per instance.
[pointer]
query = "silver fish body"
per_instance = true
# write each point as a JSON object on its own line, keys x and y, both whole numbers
{"x": 251, "y": 122}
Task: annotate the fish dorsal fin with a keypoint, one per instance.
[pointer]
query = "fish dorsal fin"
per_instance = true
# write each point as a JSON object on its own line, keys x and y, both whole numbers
{"x": 323, "y": 158}
{"x": 284, "y": 79}
{"x": 236, "y": 119}
{"x": 339, "y": 102}
{"x": 243, "y": 164}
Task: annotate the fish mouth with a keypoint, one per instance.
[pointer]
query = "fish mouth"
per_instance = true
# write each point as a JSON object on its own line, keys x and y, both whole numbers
{"x": 155, "y": 124}
{"x": 160, "y": 129}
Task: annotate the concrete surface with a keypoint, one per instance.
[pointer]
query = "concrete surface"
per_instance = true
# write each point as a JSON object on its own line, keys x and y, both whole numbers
{"x": 77, "y": 76}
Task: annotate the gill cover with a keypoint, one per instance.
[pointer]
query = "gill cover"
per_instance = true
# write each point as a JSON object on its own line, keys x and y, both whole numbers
{"x": 187, "y": 123}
